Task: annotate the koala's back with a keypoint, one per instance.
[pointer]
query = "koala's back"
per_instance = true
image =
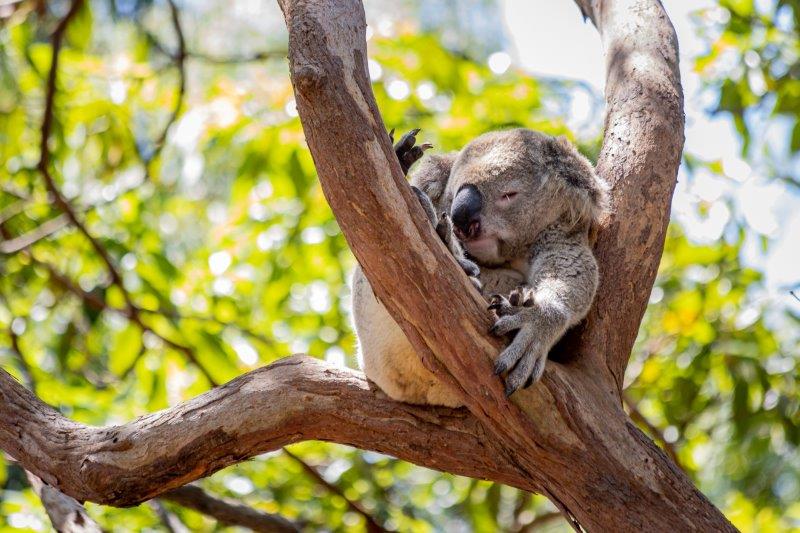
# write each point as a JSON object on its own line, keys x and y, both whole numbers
{"x": 387, "y": 357}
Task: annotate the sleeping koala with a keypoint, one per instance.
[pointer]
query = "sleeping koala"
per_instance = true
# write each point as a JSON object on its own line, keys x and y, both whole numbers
{"x": 520, "y": 204}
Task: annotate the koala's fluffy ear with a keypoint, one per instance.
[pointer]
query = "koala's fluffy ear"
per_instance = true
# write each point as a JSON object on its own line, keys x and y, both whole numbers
{"x": 591, "y": 191}
{"x": 432, "y": 173}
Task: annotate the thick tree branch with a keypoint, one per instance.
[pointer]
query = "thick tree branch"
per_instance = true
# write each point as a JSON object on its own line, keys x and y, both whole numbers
{"x": 567, "y": 437}
{"x": 228, "y": 512}
{"x": 641, "y": 153}
{"x": 292, "y": 400}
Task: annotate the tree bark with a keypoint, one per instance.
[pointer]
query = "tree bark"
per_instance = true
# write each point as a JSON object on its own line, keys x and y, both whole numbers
{"x": 568, "y": 437}
{"x": 641, "y": 153}
{"x": 294, "y": 399}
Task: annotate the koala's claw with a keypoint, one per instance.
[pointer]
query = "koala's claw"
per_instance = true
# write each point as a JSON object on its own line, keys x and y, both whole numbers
{"x": 523, "y": 359}
{"x": 406, "y": 151}
{"x": 469, "y": 268}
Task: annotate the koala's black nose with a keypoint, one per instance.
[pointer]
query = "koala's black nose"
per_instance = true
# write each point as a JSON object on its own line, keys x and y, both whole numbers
{"x": 466, "y": 211}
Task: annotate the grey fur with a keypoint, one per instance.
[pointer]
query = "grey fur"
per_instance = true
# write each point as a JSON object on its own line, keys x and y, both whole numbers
{"x": 536, "y": 264}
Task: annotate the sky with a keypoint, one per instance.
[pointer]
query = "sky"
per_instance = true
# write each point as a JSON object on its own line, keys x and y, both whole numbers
{"x": 770, "y": 209}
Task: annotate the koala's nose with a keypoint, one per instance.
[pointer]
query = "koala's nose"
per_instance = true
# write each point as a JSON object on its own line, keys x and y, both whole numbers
{"x": 466, "y": 212}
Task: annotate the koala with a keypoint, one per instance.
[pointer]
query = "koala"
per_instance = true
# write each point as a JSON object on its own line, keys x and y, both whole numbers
{"x": 516, "y": 209}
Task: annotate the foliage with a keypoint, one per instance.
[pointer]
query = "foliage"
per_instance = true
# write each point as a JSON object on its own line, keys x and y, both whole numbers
{"x": 231, "y": 259}
{"x": 753, "y": 64}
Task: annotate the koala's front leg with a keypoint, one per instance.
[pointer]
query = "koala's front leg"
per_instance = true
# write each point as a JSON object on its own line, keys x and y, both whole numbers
{"x": 563, "y": 282}
{"x": 444, "y": 228}
{"x": 406, "y": 149}
{"x": 408, "y": 153}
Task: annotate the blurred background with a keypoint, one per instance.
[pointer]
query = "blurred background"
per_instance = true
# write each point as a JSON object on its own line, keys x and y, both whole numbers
{"x": 176, "y": 142}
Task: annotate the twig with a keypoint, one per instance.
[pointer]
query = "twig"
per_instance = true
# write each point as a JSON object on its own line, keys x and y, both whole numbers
{"x": 170, "y": 522}
{"x": 16, "y": 349}
{"x": 656, "y": 433}
{"x": 208, "y": 58}
{"x": 44, "y": 159}
{"x": 372, "y": 525}
{"x": 235, "y": 60}
{"x": 228, "y": 512}
{"x": 175, "y": 315}
{"x": 795, "y": 295}
{"x": 66, "y": 208}
{"x": 132, "y": 312}
{"x": 541, "y": 520}
{"x": 179, "y": 60}
{"x": 16, "y": 244}
{"x": 25, "y": 368}
{"x": 42, "y": 231}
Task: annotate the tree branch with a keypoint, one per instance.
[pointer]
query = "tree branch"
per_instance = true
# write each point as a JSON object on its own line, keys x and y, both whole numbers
{"x": 66, "y": 207}
{"x": 170, "y": 522}
{"x": 568, "y": 437}
{"x": 292, "y": 400}
{"x": 66, "y": 514}
{"x": 640, "y": 157}
{"x": 179, "y": 60}
{"x": 132, "y": 312}
{"x": 45, "y": 229}
{"x": 228, "y": 513}
{"x": 372, "y": 525}
{"x": 574, "y": 417}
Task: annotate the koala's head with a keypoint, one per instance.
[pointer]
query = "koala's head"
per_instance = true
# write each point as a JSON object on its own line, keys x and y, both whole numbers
{"x": 506, "y": 187}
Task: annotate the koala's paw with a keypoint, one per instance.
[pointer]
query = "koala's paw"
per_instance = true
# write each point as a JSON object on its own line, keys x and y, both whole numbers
{"x": 525, "y": 357}
{"x": 427, "y": 206}
{"x": 406, "y": 151}
{"x": 444, "y": 228}
{"x": 472, "y": 271}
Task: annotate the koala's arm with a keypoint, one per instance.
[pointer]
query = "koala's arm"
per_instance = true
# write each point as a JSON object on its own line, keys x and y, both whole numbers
{"x": 562, "y": 282}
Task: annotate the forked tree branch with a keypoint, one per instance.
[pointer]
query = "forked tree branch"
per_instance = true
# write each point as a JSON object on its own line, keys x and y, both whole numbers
{"x": 568, "y": 437}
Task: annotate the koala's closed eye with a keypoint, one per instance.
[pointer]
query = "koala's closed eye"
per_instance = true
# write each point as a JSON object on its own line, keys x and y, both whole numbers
{"x": 507, "y": 197}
